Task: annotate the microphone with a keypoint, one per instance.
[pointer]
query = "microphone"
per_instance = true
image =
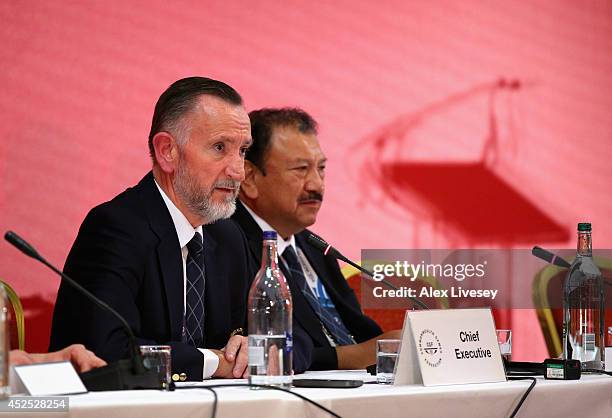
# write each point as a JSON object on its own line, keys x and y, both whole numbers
{"x": 123, "y": 375}
{"x": 323, "y": 246}
{"x": 549, "y": 257}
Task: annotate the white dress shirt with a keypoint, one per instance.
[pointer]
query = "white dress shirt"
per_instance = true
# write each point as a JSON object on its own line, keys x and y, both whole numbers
{"x": 185, "y": 232}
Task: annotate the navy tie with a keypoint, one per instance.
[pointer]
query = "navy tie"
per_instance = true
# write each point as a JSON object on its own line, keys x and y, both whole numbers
{"x": 328, "y": 316}
{"x": 194, "y": 312}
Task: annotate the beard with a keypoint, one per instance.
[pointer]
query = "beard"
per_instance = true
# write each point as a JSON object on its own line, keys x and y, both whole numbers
{"x": 198, "y": 199}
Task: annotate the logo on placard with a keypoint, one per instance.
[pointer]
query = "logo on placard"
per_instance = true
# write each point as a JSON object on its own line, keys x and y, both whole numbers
{"x": 430, "y": 348}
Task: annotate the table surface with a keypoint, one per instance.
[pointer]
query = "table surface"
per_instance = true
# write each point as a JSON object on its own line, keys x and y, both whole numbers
{"x": 590, "y": 396}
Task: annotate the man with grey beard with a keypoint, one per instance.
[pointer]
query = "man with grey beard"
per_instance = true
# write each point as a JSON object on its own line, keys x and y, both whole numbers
{"x": 162, "y": 254}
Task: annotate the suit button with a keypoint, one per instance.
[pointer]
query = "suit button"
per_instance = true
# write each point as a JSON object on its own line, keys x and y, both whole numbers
{"x": 183, "y": 377}
{"x": 175, "y": 377}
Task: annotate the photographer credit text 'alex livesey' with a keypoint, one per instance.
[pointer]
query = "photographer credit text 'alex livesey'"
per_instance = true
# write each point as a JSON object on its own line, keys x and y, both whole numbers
{"x": 457, "y": 278}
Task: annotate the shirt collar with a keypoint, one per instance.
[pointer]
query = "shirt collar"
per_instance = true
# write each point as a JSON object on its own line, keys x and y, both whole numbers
{"x": 281, "y": 243}
{"x": 184, "y": 230}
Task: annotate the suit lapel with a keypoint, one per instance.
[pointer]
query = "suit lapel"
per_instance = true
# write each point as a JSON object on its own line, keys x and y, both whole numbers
{"x": 252, "y": 231}
{"x": 171, "y": 263}
{"x": 216, "y": 292}
{"x": 169, "y": 256}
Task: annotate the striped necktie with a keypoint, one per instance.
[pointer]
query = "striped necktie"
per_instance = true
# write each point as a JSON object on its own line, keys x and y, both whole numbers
{"x": 194, "y": 312}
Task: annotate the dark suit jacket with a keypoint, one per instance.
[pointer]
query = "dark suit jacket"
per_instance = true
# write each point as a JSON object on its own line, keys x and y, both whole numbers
{"x": 127, "y": 253}
{"x": 327, "y": 269}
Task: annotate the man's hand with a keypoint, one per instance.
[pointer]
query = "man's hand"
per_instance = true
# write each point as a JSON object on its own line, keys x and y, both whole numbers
{"x": 233, "y": 358}
{"x": 19, "y": 358}
{"x": 359, "y": 356}
{"x": 80, "y": 357}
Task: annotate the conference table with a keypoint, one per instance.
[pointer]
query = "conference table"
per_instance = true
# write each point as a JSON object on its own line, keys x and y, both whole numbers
{"x": 591, "y": 396}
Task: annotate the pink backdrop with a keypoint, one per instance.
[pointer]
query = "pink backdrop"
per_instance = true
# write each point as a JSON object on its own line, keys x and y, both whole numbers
{"x": 80, "y": 78}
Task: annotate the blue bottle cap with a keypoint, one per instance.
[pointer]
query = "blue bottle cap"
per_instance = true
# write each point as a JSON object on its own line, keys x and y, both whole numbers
{"x": 269, "y": 235}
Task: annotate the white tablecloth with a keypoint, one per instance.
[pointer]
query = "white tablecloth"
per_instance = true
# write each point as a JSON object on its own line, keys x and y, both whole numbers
{"x": 591, "y": 396}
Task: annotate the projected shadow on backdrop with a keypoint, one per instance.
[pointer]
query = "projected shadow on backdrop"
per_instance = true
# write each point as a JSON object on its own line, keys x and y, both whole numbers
{"x": 463, "y": 200}
{"x": 468, "y": 201}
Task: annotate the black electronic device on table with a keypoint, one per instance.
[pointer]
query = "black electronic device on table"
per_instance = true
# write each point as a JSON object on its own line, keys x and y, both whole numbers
{"x": 327, "y": 383}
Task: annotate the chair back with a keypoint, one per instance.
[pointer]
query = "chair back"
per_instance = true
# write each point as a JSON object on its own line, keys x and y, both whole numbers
{"x": 17, "y": 309}
{"x": 547, "y": 294}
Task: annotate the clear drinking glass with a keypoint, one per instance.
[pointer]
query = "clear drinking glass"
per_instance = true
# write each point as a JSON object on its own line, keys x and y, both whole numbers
{"x": 386, "y": 357}
{"x": 504, "y": 339}
{"x": 157, "y": 357}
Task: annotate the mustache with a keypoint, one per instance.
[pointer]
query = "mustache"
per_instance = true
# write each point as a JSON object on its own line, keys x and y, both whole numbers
{"x": 311, "y": 196}
{"x": 227, "y": 184}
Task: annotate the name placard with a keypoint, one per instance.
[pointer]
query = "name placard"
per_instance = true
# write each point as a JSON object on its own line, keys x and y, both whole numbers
{"x": 45, "y": 379}
{"x": 448, "y": 347}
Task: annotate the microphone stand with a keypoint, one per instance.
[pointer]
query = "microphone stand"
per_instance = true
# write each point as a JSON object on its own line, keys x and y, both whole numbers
{"x": 125, "y": 374}
{"x": 322, "y": 245}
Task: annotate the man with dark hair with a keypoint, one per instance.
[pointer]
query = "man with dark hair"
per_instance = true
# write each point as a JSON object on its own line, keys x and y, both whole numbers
{"x": 162, "y": 254}
{"x": 282, "y": 191}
